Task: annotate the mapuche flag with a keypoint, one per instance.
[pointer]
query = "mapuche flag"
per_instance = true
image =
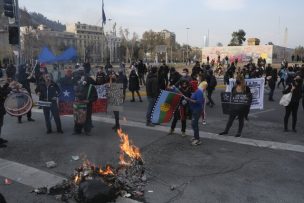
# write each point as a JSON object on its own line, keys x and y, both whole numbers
{"x": 165, "y": 107}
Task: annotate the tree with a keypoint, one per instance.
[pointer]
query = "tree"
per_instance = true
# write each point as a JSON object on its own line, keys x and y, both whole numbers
{"x": 219, "y": 44}
{"x": 299, "y": 51}
{"x": 238, "y": 38}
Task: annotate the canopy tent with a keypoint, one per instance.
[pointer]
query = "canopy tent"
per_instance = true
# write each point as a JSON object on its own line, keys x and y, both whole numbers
{"x": 46, "y": 56}
{"x": 67, "y": 55}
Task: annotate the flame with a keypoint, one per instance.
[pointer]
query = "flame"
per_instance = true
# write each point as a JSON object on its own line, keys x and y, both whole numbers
{"x": 77, "y": 179}
{"x": 126, "y": 147}
{"x": 107, "y": 171}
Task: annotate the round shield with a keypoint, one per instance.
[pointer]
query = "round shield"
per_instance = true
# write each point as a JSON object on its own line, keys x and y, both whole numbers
{"x": 18, "y": 103}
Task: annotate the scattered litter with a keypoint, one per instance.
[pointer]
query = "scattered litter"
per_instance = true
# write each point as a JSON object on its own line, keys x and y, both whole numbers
{"x": 51, "y": 164}
{"x": 144, "y": 178}
{"x": 7, "y": 181}
{"x": 124, "y": 119}
{"x": 19, "y": 179}
{"x": 40, "y": 191}
{"x": 173, "y": 187}
{"x": 127, "y": 195}
{"x": 150, "y": 191}
{"x": 75, "y": 158}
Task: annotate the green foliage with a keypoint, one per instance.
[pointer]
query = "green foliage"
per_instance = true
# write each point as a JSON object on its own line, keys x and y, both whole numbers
{"x": 238, "y": 38}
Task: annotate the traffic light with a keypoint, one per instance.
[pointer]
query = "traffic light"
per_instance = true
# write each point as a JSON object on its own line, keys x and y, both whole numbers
{"x": 13, "y": 35}
{"x": 9, "y": 10}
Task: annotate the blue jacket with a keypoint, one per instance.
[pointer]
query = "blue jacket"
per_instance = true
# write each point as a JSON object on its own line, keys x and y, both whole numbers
{"x": 198, "y": 96}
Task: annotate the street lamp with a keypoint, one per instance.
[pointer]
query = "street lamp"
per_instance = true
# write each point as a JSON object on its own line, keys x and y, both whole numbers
{"x": 187, "y": 43}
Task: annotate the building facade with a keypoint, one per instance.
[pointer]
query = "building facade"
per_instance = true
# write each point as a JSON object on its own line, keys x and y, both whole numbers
{"x": 169, "y": 37}
{"x": 91, "y": 41}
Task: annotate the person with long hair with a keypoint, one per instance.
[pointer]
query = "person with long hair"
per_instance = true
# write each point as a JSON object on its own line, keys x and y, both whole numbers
{"x": 238, "y": 110}
{"x": 292, "y": 108}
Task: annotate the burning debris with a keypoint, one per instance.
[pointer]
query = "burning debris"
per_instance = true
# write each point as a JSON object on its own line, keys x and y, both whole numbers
{"x": 91, "y": 183}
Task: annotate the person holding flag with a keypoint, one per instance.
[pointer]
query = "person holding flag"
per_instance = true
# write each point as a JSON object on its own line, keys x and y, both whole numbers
{"x": 182, "y": 112}
{"x": 196, "y": 101}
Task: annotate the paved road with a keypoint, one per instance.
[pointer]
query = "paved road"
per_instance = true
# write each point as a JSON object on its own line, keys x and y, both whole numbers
{"x": 227, "y": 170}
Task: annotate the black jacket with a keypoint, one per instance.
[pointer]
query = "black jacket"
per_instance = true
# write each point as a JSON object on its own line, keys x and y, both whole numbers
{"x": 4, "y": 91}
{"x": 152, "y": 88}
{"x": 296, "y": 94}
{"x": 48, "y": 93}
{"x": 133, "y": 81}
{"x": 101, "y": 78}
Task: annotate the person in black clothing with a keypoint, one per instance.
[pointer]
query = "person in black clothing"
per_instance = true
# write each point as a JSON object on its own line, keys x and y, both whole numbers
{"x": 196, "y": 68}
{"x": 183, "y": 109}
{"x": 108, "y": 68}
{"x": 212, "y": 83}
{"x": 67, "y": 80}
{"x": 142, "y": 70}
{"x": 87, "y": 67}
{"x": 4, "y": 91}
{"x": 238, "y": 110}
{"x": 292, "y": 108}
{"x": 152, "y": 90}
{"x": 174, "y": 77}
{"x": 85, "y": 92}
{"x": 11, "y": 71}
{"x": 24, "y": 79}
{"x": 268, "y": 70}
{"x": 163, "y": 80}
{"x": 134, "y": 85}
{"x": 49, "y": 91}
{"x": 272, "y": 79}
{"x": 122, "y": 78}
{"x": 101, "y": 77}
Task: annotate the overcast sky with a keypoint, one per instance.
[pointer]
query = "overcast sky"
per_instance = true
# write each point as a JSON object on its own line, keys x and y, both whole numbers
{"x": 264, "y": 19}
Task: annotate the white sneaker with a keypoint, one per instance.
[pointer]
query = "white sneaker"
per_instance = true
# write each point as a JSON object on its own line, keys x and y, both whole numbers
{"x": 184, "y": 134}
{"x": 204, "y": 122}
{"x": 196, "y": 142}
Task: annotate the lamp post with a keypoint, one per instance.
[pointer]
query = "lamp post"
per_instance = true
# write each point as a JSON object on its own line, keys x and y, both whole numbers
{"x": 187, "y": 43}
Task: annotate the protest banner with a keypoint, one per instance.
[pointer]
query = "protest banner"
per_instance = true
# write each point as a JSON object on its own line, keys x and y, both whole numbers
{"x": 256, "y": 86}
{"x": 115, "y": 97}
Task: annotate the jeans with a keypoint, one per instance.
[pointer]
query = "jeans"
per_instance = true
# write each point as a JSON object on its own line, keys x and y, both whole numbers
{"x": 47, "y": 116}
{"x": 292, "y": 108}
{"x": 151, "y": 102}
{"x": 194, "y": 122}
{"x": 138, "y": 94}
{"x": 271, "y": 93}
{"x": 141, "y": 78}
{"x": 283, "y": 83}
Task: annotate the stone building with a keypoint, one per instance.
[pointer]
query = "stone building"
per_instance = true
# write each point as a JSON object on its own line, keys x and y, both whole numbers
{"x": 91, "y": 41}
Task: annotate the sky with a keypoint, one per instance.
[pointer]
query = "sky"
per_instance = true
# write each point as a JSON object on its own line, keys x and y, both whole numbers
{"x": 263, "y": 19}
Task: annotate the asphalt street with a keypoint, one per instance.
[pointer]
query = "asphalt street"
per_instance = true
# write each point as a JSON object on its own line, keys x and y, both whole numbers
{"x": 216, "y": 171}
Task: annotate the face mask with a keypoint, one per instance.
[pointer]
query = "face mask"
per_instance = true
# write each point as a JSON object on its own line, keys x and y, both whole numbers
{"x": 184, "y": 74}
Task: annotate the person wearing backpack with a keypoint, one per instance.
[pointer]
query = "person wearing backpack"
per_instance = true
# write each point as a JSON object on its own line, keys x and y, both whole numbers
{"x": 212, "y": 83}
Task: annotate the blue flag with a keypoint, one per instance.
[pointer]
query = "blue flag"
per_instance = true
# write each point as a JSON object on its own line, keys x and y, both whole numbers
{"x": 67, "y": 94}
{"x": 104, "y": 18}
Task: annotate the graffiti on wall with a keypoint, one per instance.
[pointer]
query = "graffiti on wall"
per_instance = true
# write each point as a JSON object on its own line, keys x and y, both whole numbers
{"x": 242, "y": 53}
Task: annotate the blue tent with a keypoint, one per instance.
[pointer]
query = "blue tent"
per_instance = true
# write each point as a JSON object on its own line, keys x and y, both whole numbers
{"x": 67, "y": 55}
{"x": 46, "y": 56}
